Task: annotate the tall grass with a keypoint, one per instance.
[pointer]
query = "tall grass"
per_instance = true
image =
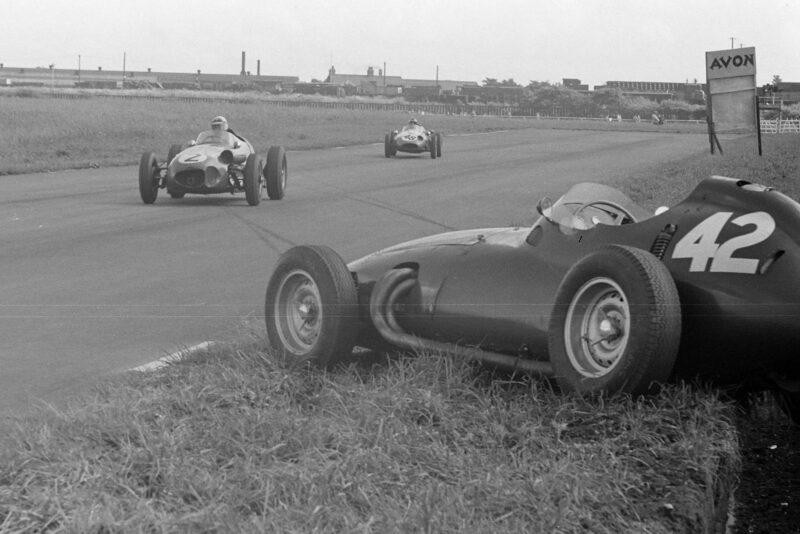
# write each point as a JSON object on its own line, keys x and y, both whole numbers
{"x": 44, "y": 133}
{"x": 778, "y": 167}
{"x": 50, "y": 134}
{"x": 233, "y": 440}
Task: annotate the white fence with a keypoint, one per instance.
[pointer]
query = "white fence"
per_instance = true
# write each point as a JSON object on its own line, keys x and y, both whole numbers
{"x": 780, "y": 126}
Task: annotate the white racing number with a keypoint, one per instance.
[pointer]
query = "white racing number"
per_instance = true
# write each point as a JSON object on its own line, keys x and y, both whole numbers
{"x": 192, "y": 158}
{"x": 700, "y": 243}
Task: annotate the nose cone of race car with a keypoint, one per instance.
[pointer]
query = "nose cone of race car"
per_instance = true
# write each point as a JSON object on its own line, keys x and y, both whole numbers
{"x": 188, "y": 159}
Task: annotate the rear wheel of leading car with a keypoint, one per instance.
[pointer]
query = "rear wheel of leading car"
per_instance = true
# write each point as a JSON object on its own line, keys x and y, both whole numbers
{"x": 276, "y": 172}
{"x": 174, "y": 150}
{"x": 148, "y": 177}
{"x": 616, "y": 323}
{"x": 311, "y": 306}
{"x": 432, "y": 144}
{"x": 253, "y": 181}
{"x": 438, "y": 145}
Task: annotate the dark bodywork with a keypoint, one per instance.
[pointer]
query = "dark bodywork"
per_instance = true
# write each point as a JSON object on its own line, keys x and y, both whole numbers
{"x": 732, "y": 248}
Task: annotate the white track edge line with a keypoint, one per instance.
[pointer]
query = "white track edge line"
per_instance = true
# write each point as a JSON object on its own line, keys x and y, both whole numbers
{"x": 173, "y": 357}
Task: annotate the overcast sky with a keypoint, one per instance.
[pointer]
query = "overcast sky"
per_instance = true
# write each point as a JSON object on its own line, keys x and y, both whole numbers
{"x": 593, "y": 40}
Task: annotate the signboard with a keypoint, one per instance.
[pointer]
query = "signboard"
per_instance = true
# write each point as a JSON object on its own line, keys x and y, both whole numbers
{"x": 731, "y": 77}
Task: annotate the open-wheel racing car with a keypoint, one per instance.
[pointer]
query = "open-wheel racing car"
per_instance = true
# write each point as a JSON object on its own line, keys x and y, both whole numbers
{"x": 413, "y": 138}
{"x": 218, "y": 161}
{"x": 599, "y": 294}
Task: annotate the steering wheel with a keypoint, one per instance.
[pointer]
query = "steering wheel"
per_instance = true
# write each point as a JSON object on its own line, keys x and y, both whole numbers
{"x": 624, "y": 211}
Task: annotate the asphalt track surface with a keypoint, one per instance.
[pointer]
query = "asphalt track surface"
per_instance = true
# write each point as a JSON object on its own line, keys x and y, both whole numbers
{"x": 94, "y": 282}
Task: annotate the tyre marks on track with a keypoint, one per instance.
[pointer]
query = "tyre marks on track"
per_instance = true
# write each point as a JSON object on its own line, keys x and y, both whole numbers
{"x": 370, "y": 201}
{"x": 268, "y": 237}
{"x": 400, "y": 211}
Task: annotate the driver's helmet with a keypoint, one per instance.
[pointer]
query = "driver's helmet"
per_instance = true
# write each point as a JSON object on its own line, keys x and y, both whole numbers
{"x": 219, "y": 123}
{"x": 413, "y": 121}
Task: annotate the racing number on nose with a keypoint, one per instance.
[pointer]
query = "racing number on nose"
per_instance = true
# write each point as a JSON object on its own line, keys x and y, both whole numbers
{"x": 700, "y": 243}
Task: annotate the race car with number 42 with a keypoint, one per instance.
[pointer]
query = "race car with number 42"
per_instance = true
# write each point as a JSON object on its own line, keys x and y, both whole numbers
{"x": 414, "y": 139}
{"x": 218, "y": 161}
{"x": 598, "y": 295}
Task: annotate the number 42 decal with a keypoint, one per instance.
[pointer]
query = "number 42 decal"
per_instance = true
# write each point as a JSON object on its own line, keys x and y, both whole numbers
{"x": 700, "y": 243}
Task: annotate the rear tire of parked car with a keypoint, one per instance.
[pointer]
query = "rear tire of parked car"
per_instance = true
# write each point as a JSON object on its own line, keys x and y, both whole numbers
{"x": 176, "y": 195}
{"x": 311, "y": 307}
{"x": 616, "y": 323}
{"x": 438, "y": 145}
{"x": 148, "y": 177}
{"x": 276, "y": 172}
{"x": 174, "y": 150}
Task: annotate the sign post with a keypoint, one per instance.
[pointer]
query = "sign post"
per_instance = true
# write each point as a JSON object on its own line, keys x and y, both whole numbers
{"x": 731, "y": 99}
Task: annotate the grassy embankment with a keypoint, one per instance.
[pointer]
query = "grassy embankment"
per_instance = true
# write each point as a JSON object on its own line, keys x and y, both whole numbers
{"x": 43, "y": 134}
{"x": 233, "y": 440}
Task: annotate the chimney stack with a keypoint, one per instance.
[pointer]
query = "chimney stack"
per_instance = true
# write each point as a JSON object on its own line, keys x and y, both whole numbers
{"x": 243, "y": 71}
{"x": 258, "y": 67}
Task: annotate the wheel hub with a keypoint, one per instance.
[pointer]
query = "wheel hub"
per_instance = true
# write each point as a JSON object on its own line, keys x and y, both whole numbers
{"x": 298, "y": 312}
{"x": 597, "y": 326}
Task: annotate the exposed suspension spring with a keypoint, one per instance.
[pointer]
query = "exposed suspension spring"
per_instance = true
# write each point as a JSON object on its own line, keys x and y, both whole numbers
{"x": 662, "y": 241}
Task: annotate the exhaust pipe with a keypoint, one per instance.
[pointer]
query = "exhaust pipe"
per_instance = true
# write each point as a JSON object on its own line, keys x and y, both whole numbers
{"x": 396, "y": 284}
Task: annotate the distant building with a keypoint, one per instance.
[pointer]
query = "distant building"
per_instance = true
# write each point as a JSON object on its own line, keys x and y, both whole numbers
{"x": 373, "y": 83}
{"x": 574, "y": 84}
{"x": 693, "y": 93}
{"x": 99, "y": 78}
{"x": 787, "y": 92}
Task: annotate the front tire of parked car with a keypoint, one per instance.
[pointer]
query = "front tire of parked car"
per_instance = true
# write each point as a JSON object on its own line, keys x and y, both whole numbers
{"x": 148, "y": 177}
{"x": 176, "y": 195}
{"x": 276, "y": 172}
{"x": 253, "y": 183}
{"x": 311, "y": 306}
{"x": 616, "y": 323}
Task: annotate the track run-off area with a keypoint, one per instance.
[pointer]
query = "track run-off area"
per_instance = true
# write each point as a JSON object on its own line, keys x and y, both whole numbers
{"x": 95, "y": 282}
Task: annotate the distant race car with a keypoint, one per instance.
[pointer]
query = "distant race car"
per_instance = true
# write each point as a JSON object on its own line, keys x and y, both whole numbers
{"x": 216, "y": 162}
{"x": 413, "y": 138}
{"x": 599, "y": 294}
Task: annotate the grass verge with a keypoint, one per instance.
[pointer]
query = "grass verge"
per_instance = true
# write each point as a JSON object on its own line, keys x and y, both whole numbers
{"x": 48, "y": 134}
{"x": 233, "y": 440}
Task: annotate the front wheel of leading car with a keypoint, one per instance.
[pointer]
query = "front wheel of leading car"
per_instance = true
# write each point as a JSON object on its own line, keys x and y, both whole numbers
{"x": 387, "y": 146}
{"x": 276, "y": 172}
{"x": 311, "y": 306}
{"x": 438, "y": 145}
{"x": 148, "y": 177}
{"x": 616, "y": 323}
{"x": 253, "y": 182}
